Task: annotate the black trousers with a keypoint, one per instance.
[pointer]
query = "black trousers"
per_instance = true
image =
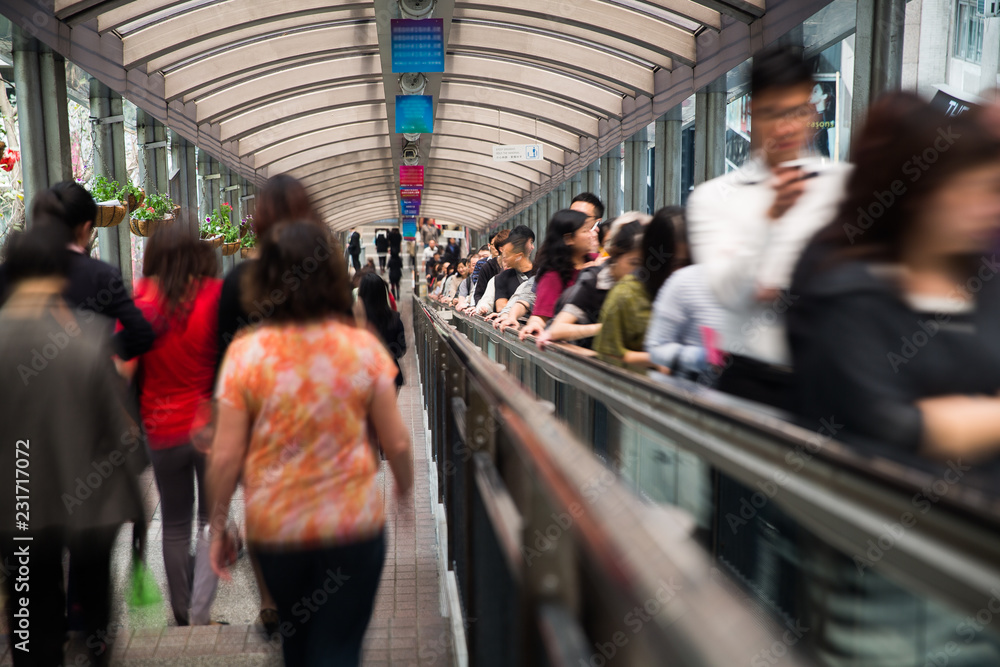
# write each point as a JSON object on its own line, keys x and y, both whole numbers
{"x": 325, "y": 598}
{"x": 90, "y": 553}
{"x": 757, "y": 381}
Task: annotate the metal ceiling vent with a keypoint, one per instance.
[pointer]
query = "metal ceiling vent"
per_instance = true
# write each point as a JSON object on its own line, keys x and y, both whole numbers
{"x": 416, "y": 9}
{"x": 412, "y": 83}
{"x": 411, "y": 154}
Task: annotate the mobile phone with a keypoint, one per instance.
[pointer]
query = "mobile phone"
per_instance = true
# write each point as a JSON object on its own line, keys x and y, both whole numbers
{"x": 808, "y": 166}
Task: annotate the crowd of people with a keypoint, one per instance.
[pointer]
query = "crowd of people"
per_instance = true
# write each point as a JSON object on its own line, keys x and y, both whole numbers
{"x": 816, "y": 288}
{"x": 278, "y": 377}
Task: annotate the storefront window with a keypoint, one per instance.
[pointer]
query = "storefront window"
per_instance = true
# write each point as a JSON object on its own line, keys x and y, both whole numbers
{"x": 968, "y": 32}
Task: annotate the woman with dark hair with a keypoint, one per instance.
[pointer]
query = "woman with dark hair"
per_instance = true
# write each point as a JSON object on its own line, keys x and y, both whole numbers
{"x": 295, "y": 396}
{"x": 372, "y": 309}
{"x": 686, "y": 316}
{"x": 579, "y": 308}
{"x": 66, "y": 419}
{"x": 907, "y": 259}
{"x": 395, "y": 273}
{"x": 283, "y": 198}
{"x": 567, "y": 248}
{"x": 179, "y": 293}
{"x": 626, "y": 309}
{"x": 91, "y": 285}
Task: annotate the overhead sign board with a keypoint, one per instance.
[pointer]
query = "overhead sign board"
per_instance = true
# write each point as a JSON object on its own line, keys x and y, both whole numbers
{"x": 414, "y": 114}
{"x": 410, "y": 192}
{"x": 411, "y": 207}
{"x": 411, "y": 177}
{"x": 517, "y": 153}
{"x": 417, "y": 45}
{"x": 409, "y": 228}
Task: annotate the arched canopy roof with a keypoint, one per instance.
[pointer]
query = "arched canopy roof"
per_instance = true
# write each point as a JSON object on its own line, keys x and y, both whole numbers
{"x": 301, "y": 86}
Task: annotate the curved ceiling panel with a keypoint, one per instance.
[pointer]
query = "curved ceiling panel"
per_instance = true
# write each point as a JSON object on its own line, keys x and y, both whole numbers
{"x": 305, "y": 86}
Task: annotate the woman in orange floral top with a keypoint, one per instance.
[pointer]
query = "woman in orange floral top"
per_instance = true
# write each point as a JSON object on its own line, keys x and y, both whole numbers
{"x": 295, "y": 395}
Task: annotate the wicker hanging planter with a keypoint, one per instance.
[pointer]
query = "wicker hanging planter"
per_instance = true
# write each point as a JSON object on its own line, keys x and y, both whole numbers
{"x": 109, "y": 215}
{"x": 135, "y": 202}
{"x": 245, "y": 252}
{"x": 3, "y": 147}
{"x": 147, "y": 228}
{"x": 230, "y": 248}
{"x": 214, "y": 242}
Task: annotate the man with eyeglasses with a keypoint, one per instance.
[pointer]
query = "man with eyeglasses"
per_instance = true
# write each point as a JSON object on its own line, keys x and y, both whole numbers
{"x": 590, "y": 205}
{"x": 749, "y": 227}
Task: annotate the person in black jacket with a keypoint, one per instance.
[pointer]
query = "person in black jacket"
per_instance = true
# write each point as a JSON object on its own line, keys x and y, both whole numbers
{"x": 381, "y": 248}
{"x": 354, "y": 249}
{"x": 395, "y": 273}
{"x": 92, "y": 286}
{"x": 376, "y": 313}
{"x": 395, "y": 241}
{"x": 896, "y": 324}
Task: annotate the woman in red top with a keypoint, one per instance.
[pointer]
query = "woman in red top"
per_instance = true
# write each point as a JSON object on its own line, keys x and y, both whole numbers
{"x": 179, "y": 295}
{"x": 568, "y": 243}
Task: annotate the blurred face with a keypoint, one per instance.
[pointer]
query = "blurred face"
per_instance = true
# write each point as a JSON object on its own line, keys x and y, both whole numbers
{"x": 588, "y": 210}
{"x": 780, "y": 122}
{"x": 515, "y": 260}
{"x": 626, "y": 264}
{"x": 583, "y": 240}
{"x": 963, "y": 215}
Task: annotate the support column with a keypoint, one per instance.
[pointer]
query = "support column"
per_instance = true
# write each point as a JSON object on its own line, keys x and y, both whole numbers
{"x": 667, "y": 160}
{"x": 43, "y": 125}
{"x": 531, "y": 219}
{"x": 592, "y": 179}
{"x": 611, "y": 183}
{"x": 184, "y": 175}
{"x": 574, "y": 186}
{"x": 152, "y": 136}
{"x": 710, "y": 131}
{"x": 878, "y": 53}
{"x": 637, "y": 171}
{"x": 562, "y": 197}
{"x": 990, "y": 63}
{"x": 109, "y": 161}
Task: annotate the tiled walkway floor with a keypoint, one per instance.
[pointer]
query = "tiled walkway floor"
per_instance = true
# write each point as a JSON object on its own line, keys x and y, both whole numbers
{"x": 408, "y": 628}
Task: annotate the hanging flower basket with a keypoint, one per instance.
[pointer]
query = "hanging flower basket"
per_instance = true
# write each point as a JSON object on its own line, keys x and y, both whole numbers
{"x": 245, "y": 252}
{"x": 3, "y": 147}
{"x": 230, "y": 248}
{"x": 109, "y": 214}
{"x": 147, "y": 228}
{"x": 135, "y": 202}
{"x": 214, "y": 241}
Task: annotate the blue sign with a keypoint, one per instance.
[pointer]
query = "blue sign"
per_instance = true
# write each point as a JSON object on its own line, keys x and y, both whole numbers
{"x": 409, "y": 228}
{"x": 411, "y": 207}
{"x": 414, "y": 114}
{"x": 417, "y": 45}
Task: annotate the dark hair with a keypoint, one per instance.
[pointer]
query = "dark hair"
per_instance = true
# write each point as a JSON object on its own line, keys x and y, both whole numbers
{"x": 625, "y": 240}
{"x": 483, "y": 248}
{"x": 779, "y": 67}
{"x": 521, "y": 231}
{"x": 178, "y": 260}
{"x": 283, "y": 198}
{"x": 593, "y": 200}
{"x": 658, "y": 243}
{"x": 900, "y": 126}
{"x": 300, "y": 274}
{"x": 67, "y": 203}
{"x": 372, "y": 292}
{"x": 554, "y": 254}
{"x": 602, "y": 231}
{"x": 500, "y": 239}
{"x": 461, "y": 262}
{"x": 39, "y": 252}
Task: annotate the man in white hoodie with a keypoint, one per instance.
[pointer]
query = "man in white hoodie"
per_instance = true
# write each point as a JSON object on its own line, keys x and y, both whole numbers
{"x": 749, "y": 227}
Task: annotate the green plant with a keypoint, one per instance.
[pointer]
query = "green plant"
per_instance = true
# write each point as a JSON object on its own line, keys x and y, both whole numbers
{"x": 155, "y": 207}
{"x": 104, "y": 190}
{"x": 220, "y": 223}
{"x": 128, "y": 189}
{"x": 249, "y": 239}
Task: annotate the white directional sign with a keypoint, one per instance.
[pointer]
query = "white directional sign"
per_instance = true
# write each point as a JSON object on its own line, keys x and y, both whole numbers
{"x": 517, "y": 152}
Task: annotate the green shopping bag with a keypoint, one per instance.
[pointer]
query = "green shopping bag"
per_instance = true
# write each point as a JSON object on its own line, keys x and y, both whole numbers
{"x": 143, "y": 597}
